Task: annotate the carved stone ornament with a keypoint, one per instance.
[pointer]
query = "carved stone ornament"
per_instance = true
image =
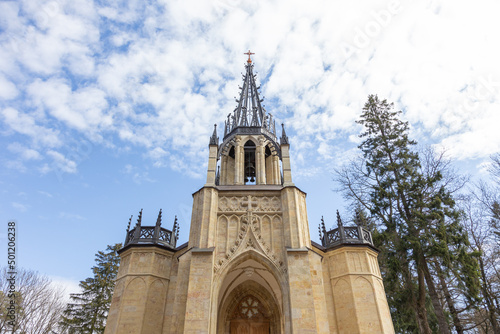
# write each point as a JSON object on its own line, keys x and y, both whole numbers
{"x": 252, "y": 203}
{"x": 249, "y": 237}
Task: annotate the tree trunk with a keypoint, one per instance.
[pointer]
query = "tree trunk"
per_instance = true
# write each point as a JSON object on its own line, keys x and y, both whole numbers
{"x": 438, "y": 308}
{"x": 417, "y": 302}
{"x": 423, "y": 322}
{"x": 487, "y": 298}
{"x": 449, "y": 301}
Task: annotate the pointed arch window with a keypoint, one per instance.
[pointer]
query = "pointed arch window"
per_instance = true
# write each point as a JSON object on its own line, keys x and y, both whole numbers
{"x": 249, "y": 166}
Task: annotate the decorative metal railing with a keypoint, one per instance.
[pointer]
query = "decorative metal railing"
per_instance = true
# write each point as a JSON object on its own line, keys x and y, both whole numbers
{"x": 344, "y": 234}
{"x": 152, "y": 234}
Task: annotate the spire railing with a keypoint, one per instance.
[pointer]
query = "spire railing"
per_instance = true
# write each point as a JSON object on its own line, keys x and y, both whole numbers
{"x": 152, "y": 234}
{"x": 344, "y": 234}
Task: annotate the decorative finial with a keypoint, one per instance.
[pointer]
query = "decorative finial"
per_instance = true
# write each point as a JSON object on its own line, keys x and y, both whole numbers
{"x": 129, "y": 221}
{"x": 176, "y": 228}
{"x": 321, "y": 228}
{"x": 249, "y": 54}
{"x": 339, "y": 220}
{"x": 214, "y": 140}
{"x": 284, "y": 137}
{"x": 158, "y": 220}
{"x": 323, "y": 225}
{"x": 139, "y": 220}
{"x": 358, "y": 218}
{"x": 217, "y": 176}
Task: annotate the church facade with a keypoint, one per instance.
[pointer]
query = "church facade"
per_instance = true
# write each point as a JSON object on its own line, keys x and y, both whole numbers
{"x": 249, "y": 265}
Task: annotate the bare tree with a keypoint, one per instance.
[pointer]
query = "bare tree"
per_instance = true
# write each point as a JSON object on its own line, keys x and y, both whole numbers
{"x": 495, "y": 168}
{"x": 39, "y": 304}
{"x": 482, "y": 238}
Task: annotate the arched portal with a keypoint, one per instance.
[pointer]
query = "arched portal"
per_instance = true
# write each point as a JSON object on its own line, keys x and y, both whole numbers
{"x": 250, "y": 316}
{"x": 249, "y": 309}
{"x": 250, "y": 275}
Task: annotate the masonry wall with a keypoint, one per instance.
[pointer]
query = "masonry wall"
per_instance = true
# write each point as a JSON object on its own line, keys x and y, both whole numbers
{"x": 359, "y": 302}
{"x": 139, "y": 299}
{"x": 159, "y": 291}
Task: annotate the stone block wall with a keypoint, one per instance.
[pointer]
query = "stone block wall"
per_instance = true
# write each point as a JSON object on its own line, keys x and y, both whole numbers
{"x": 139, "y": 299}
{"x": 359, "y": 302}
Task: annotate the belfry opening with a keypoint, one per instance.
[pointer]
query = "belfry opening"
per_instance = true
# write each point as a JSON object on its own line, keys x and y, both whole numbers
{"x": 250, "y": 174}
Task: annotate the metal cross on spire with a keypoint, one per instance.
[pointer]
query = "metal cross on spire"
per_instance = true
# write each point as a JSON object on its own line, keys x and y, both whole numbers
{"x": 249, "y": 54}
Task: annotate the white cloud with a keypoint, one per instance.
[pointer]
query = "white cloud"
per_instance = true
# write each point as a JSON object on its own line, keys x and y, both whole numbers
{"x": 19, "y": 206}
{"x": 70, "y": 216}
{"x": 7, "y": 89}
{"x": 44, "y": 193}
{"x": 25, "y": 124}
{"x": 139, "y": 177}
{"x": 60, "y": 162}
{"x": 67, "y": 286}
{"x": 81, "y": 109}
{"x": 24, "y": 152}
{"x": 157, "y": 153}
{"x": 64, "y": 33}
{"x": 157, "y": 75}
{"x": 16, "y": 165}
{"x": 128, "y": 169}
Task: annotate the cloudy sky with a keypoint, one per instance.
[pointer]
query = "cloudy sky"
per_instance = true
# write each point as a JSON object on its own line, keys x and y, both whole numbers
{"x": 106, "y": 107}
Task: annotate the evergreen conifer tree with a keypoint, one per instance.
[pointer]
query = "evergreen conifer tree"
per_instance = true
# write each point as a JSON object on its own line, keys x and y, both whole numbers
{"x": 418, "y": 224}
{"x": 89, "y": 310}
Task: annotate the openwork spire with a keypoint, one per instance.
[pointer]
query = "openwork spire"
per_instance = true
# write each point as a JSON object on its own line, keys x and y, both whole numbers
{"x": 214, "y": 140}
{"x": 284, "y": 137}
{"x": 249, "y": 112}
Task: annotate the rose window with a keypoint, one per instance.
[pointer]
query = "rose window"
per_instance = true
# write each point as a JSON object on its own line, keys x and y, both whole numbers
{"x": 249, "y": 307}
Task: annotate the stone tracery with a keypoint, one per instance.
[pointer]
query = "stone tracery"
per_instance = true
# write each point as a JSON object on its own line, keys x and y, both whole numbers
{"x": 249, "y": 236}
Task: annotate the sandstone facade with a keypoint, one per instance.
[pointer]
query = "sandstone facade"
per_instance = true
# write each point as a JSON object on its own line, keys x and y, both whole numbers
{"x": 249, "y": 265}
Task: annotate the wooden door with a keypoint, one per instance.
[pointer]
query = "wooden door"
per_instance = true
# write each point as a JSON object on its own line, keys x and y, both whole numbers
{"x": 241, "y": 326}
{"x": 259, "y": 328}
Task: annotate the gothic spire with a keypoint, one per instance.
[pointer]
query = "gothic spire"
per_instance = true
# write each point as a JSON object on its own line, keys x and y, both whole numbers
{"x": 249, "y": 113}
{"x": 284, "y": 137}
{"x": 214, "y": 140}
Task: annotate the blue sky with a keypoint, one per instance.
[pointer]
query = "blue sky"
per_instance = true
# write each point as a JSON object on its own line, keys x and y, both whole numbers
{"x": 106, "y": 107}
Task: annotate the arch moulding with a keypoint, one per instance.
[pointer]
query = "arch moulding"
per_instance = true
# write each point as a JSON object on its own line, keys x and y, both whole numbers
{"x": 225, "y": 295}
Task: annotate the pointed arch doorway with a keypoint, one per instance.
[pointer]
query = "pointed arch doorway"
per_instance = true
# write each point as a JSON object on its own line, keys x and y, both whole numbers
{"x": 250, "y": 316}
{"x": 250, "y": 299}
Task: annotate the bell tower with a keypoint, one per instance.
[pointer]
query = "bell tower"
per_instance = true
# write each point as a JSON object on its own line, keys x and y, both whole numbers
{"x": 249, "y": 265}
{"x": 250, "y": 153}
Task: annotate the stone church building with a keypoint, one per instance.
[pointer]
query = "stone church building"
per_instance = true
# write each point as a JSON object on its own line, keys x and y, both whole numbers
{"x": 249, "y": 265}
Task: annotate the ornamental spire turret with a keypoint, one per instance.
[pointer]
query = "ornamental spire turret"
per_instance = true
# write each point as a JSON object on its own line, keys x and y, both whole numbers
{"x": 250, "y": 152}
{"x": 284, "y": 137}
{"x": 250, "y": 113}
{"x": 214, "y": 140}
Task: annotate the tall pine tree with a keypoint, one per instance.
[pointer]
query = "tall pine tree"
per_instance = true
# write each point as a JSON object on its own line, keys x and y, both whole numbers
{"x": 415, "y": 214}
{"x": 89, "y": 309}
